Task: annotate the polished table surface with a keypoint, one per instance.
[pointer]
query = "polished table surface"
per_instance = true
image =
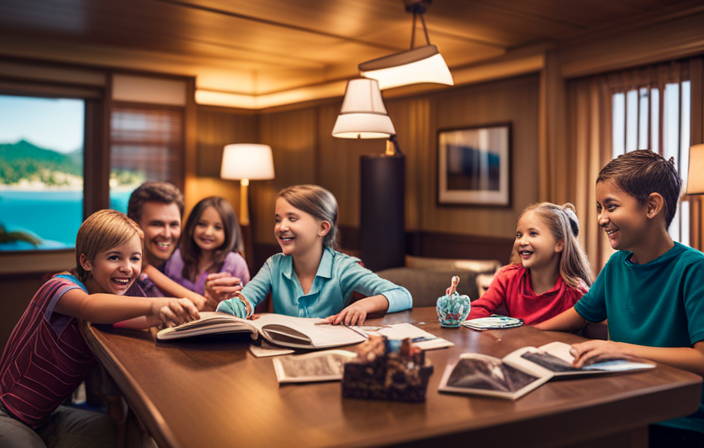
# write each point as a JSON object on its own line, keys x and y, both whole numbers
{"x": 214, "y": 393}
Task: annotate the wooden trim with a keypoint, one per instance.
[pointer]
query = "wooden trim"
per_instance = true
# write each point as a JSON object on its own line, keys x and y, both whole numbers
{"x": 37, "y": 261}
{"x": 428, "y": 244}
{"x": 680, "y": 37}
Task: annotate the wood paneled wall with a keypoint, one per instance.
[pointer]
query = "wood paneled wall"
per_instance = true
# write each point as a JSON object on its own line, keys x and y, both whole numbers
{"x": 305, "y": 152}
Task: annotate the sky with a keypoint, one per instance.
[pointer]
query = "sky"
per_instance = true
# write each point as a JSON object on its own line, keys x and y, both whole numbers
{"x": 49, "y": 123}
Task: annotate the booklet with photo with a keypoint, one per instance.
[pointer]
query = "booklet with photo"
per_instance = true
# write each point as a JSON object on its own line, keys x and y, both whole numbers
{"x": 312, "y": 367}
{"x": 286, "y": 331}
{"x": 493, "y": 322}
{"x": 522, "y": 370}
{"x": 556, "y": 358}
{"x": 419, "y": 337}
{"x": 475, "y": 373}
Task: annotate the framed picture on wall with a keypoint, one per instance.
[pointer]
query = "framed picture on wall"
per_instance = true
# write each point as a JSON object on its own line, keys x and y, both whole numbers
{"x": 474, "y": 165}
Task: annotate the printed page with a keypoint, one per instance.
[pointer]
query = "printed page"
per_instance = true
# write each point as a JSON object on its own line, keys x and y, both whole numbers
{"x": 319, "y": 366}
{"x": 485, "y": 375}
{"x": 621, "y": 364}
{"x": 492, "y": 323}
{"x": 556, "y": 358}
{"x": 303, "y": 332}
{"x": 263, "y": 349}
{"x": 209, "y": 323}
{"x": 419, "y": 337}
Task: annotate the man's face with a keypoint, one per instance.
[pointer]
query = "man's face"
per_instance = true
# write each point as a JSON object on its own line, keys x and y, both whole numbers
{"x": 161, "y": 224}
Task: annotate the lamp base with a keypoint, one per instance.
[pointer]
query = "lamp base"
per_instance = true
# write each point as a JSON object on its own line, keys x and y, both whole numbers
{"x": 382, "y": 213}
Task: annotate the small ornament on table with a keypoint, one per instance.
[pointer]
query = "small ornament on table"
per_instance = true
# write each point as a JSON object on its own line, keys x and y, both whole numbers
{"x": 453, "y": 308}
{"x": 387, "y": 370}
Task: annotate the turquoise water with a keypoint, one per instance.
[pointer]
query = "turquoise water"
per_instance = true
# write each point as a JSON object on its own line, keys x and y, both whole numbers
{"x": 52, "y": 216}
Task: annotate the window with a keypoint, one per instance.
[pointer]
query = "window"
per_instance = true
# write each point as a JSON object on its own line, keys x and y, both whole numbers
{"x": 146, "y": 144}
{"x": 657, "y": 118}
{"x": 41, "y": 172}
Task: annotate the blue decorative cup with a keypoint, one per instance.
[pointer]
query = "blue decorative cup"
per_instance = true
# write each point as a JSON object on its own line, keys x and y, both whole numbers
{"x": 453, "y": 309}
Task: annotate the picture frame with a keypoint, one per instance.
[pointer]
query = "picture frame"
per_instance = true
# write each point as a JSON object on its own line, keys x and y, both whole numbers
{"x": 474, "y": 165}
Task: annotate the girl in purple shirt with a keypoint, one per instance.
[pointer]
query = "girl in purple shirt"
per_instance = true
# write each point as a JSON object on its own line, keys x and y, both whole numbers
{"x": 208, "y": 246}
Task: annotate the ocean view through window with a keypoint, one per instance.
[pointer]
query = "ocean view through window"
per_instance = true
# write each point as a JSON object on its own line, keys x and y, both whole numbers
{"x": 41, "y": 172}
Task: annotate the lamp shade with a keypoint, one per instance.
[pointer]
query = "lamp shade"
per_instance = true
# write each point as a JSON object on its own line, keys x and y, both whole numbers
{"x": 695, "y": 180}
{"x": 363, "y": 114}
{"x": 418, "y": 65}
{"x": 247, "y": 161}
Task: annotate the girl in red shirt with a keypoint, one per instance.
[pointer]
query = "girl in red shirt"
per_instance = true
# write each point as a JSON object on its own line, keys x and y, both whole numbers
{"x": 549, "y": 271}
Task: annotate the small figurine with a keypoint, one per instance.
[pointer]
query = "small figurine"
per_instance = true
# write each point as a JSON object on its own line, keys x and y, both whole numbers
{"x": 453, "y": 308}
{"x": 387, "y": 370}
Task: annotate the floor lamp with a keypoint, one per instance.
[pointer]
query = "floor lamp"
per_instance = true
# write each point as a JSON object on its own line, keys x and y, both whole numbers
{"x": 382, "y": 202}
{"x": 245, "y": 162}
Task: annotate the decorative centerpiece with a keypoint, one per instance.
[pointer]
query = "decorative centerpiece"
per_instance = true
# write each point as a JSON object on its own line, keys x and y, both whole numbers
{"x": 453, "y": 308}
{"x": 387, "y": 370}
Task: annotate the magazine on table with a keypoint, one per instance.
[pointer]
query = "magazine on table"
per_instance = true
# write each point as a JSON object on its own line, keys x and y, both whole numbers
{"x": 326, "y": 365}
{"x": 286, "y": 331}
{"x": 523, "y": 370}
{"x": 493, "y": 322}
{"x": 419, "y": 337}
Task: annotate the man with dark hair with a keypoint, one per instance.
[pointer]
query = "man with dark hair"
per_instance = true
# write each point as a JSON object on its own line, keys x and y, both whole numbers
{"x": 157, "y": 207}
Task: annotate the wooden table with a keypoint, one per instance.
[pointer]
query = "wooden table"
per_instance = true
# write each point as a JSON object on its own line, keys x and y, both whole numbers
{"x": 214, "y": 393}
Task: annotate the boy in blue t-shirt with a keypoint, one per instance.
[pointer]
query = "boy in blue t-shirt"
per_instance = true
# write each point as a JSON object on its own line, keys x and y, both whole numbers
{"x": 652, "y": 290}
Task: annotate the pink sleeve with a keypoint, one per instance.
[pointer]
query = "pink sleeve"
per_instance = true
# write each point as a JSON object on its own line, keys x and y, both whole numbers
{"x": 236, "y": 266}
{"x": 492, "y": 298}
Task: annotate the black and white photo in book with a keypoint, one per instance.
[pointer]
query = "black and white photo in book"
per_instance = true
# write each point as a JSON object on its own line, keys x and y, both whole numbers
{"x": 319, "y": 366}
{"x": 479, "y": 374}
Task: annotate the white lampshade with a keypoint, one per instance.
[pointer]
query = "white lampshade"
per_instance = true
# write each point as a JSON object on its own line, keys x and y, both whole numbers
{"x": 247, "y": 161}
{"x": 418, "y": 65}
{"x": 695, "y": 179}
{"x": 363, "y": 114}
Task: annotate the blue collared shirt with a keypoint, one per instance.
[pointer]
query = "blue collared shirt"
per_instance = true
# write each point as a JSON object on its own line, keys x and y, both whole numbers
{"x": 337, "y": 278}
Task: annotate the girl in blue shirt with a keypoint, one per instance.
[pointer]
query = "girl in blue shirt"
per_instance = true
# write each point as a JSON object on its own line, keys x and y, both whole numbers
{"x": 309, "y": 278}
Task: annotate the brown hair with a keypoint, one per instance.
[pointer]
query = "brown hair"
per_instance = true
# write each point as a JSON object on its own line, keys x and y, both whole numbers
{"x": 162, "y": 192}
{"x": 190, "y": 251}
{"x": 103, "y": 230}
{"x": 316, "y": 201}
{"x": 642, "y": 172}
{"x": 564, "y": 226}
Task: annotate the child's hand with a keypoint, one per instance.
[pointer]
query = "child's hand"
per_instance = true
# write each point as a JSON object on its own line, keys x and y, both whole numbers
{"x": 588, "y": 352}
{"x": 237, "y": 307}
{"x": 354, "y": 314}
{"x": 200, "y": 302}
{"x": 175, "y": 311}
{"x": 222, "y": 286}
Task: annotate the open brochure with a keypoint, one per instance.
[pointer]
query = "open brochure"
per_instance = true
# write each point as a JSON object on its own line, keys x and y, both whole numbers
{"x": 493, "y": 322}
{"x": 556, "y": 358}
{"x": 286, "y": 331}
{"x": 319, "y": 366}
{"x": 523, "y": 370}
{"x": 419, "y": 337}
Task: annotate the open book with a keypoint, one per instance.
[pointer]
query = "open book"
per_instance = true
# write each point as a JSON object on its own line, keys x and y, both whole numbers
{"x": 286, "y": 331}
{"x": 319, "y": 366}
{"x": 523, "y": 370}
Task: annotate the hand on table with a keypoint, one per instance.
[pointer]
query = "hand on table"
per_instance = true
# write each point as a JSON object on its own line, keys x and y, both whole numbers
{"x": 586, "y": 353}
{"x": 354, "y": 314}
